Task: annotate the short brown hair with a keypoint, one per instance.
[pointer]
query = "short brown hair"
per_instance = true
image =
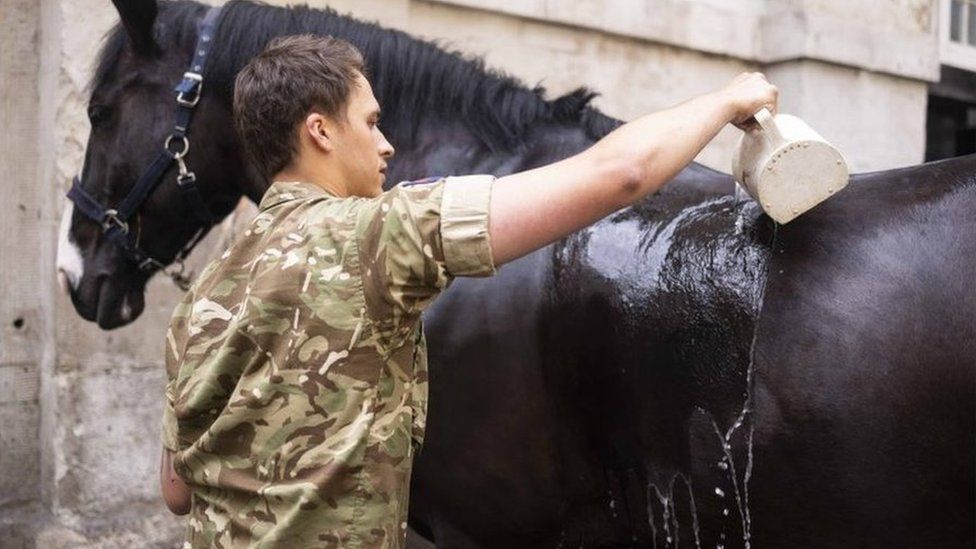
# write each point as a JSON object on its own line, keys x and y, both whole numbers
{"x": 293, "y": 76}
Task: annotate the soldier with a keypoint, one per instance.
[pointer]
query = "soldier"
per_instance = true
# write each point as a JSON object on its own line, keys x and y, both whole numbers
{"x": 297, "y": 364}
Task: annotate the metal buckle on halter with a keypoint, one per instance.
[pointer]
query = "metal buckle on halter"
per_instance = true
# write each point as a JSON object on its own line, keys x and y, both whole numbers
{"x": 185, "y": 177}
{"x": 190, "y": 75}
{"x": 110, "y": 218}
{"x": 180, "y": 153}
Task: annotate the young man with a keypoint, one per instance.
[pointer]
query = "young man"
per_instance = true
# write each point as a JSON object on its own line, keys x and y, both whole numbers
{"x": 297, "y": 364}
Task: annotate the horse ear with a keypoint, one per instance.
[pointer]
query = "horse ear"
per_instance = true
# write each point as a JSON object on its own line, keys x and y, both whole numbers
{"x": 137, "y": 18}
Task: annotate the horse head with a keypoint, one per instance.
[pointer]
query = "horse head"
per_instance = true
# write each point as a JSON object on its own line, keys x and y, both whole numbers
{"x": 131, "y": 110}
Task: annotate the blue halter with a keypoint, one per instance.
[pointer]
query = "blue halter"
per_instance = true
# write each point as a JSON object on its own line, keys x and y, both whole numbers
{"x": 115, "y": 221}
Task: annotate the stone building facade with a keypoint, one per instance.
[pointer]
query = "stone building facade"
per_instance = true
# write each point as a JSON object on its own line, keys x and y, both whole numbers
{"x": 891, "y": 82}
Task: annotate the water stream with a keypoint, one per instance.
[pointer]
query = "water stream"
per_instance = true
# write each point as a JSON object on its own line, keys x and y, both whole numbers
{"x": 745, "y": 416}
{"x": 740, "y": 195}
{"x": 738, "y": 475}
{"x": 669, "y": 513}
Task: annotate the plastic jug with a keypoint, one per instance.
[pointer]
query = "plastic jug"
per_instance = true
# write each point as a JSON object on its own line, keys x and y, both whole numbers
{"x": 787, "y": 167}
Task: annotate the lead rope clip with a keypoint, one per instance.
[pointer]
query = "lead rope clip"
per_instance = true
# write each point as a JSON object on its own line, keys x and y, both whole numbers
{"x": 176, "y": 272}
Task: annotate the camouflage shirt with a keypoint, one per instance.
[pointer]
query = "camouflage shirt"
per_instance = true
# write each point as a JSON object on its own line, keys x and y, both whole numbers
{"x": 297, "y": 363}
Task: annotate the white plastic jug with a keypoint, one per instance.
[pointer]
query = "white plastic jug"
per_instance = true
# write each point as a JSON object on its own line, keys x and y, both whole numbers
{"x": 786, "y": 166}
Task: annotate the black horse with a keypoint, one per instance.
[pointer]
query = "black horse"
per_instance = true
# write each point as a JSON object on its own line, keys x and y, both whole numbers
{"x": 684, "y": 373}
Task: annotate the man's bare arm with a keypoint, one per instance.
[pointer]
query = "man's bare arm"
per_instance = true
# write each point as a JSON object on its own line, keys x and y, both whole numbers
{"x": 533, "y": 208}
{"x": 176, "y": 493}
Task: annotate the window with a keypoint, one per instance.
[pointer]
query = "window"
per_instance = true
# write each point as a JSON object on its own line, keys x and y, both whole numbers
{"x": 950, "y": 128}
{"x": 962, "y": 22}
{"x": 957, "y": 34}
{"x": 951, "y": 120}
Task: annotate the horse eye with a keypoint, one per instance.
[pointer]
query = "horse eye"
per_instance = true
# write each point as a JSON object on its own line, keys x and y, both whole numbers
{"x": 97, "y": 114}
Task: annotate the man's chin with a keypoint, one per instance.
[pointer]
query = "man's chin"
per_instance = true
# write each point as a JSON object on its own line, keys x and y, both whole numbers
{"x": 374, "y": 192}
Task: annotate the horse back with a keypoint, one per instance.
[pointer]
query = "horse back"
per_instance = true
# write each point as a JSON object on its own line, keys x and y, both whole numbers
{"x": 866, "y": 367}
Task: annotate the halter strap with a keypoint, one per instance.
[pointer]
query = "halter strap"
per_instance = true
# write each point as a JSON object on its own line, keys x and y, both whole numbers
{"x": 115, "y": 221}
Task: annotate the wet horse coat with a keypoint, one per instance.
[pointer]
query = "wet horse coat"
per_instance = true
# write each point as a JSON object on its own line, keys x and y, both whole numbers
{"x": 683, "y": 373}
{"x": 618, "y": 374}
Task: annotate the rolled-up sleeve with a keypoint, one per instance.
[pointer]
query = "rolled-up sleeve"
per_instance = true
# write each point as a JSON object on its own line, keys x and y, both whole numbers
{"x": 415, "y": 238}
{"x": 175, "y": 345}
{"x": 464, "y": 225}
{"x": 170, "y": 429}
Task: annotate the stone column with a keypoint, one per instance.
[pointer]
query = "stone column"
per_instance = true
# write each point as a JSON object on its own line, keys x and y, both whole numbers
{"x": 24, "y": 323}
{"x": 858, "y": 72}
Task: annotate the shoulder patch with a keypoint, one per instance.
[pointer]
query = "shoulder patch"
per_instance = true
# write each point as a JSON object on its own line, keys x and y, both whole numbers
{"x": 424, "y": 181}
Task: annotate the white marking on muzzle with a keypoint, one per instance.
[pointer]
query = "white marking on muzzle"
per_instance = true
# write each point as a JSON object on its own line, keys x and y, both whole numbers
{"x": 126, "y": 313}
{"x": 70, "y": 265}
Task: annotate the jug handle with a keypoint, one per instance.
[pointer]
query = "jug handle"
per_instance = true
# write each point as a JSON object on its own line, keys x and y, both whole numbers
{"x": 768, "y": 124}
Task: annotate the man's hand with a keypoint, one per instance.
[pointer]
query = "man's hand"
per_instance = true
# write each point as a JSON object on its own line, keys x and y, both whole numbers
{"x": 746, "y": 94}
{"x": 176, "y": 493}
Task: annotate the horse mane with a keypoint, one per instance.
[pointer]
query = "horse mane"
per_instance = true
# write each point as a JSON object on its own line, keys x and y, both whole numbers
{"x": 413, "y": 79}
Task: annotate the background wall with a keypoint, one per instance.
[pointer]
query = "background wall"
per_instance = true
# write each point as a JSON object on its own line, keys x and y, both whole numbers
{"x": 79, "y": 407}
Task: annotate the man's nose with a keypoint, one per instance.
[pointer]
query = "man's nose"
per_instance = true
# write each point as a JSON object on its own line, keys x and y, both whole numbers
{"x": 386, "y": 149}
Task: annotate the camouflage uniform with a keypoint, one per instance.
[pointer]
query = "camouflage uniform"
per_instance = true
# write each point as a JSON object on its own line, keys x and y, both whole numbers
{"x": 297, "y": 363}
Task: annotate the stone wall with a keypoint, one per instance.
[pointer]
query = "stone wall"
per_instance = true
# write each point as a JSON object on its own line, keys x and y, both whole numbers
{"x": 79, "y": 407}
{"x": 846, "y": 68}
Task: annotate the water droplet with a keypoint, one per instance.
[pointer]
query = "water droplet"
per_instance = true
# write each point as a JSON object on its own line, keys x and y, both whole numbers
{"x": 719, "y": 492}
{"x": 723, "y": 466}
{"x": 725, "y": 512}
{"x": 669, "y": 539}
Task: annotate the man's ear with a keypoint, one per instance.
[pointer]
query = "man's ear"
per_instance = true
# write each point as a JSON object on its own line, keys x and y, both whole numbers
{"x": 321, "y": 131}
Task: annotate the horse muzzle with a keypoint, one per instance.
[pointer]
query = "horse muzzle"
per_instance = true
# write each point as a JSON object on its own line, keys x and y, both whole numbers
{"x": 111, "y": 301}
{"x": 100, "y": 291}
